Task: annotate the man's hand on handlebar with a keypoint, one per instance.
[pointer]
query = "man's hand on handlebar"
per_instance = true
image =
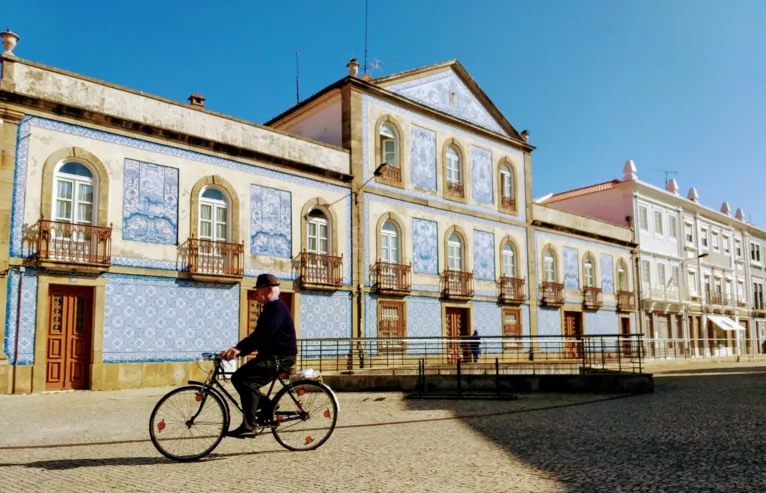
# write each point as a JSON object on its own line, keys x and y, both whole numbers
{"x": 230, "y": 354}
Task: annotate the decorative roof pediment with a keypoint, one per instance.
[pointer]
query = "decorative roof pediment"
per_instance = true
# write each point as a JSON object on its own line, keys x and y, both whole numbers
{"x": 446, "y": 91}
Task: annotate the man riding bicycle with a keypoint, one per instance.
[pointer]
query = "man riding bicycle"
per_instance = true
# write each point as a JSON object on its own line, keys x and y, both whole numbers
{"x": 274, "y": 339}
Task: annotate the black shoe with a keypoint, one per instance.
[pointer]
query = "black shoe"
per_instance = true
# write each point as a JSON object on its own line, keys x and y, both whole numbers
{"x": 244, "y": 431}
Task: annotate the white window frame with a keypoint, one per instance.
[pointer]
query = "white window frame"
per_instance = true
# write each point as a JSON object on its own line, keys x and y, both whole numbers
{"x": 454, "y": 252}
{"x": 689, "y": 231}
{"x": 703, "y": 236}
{"x": 673, "y": 227}
{"x": 646, "y": 272}
{"x": 389, "y": 137}
{"x": 755, "y": 252}
{"x": 661, "y": 275}
{"x": 691, "y": 279}
{"x": 659, "y": 229}
{"x": 726, "y": 244}
{"x": 549, "y": 266}
{"x": 75, "y": 181}
{"x": 318, "y": 230}
{"x": 622, "y": 275}
{"x": 506, "y": 181}
{"x": 509, "y": 260}
{"x": 716, "y": 240}
{"x": 643, "y": 218}
{"x": 589, "y": 272}
{"x": 737, "y": 247}
{"x": 389, "y": 243}
{"x": 215, "y": 206}
{"x": 453, "y": 165}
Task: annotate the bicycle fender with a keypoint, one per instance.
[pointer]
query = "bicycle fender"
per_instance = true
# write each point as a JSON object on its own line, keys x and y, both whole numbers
{"x": 194, "y": 382}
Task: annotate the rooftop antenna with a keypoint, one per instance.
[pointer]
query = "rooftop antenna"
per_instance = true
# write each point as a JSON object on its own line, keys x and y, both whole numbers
{"x": 667, "y": 172}
{"x": 297, "y": 74}
{"x": 366, "y": 7}
{"x": 376, "y": 65}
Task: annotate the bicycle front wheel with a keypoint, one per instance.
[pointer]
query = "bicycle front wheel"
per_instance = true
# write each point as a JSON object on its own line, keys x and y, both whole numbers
{"x": 305, "y": 414}
{"x": 188, "y": 423}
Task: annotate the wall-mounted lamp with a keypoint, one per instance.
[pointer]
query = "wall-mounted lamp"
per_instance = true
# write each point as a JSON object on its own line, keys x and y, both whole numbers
{"x": 379, "y": 171}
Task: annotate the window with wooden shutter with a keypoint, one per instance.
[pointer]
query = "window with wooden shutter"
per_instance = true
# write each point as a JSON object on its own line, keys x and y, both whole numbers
{"x": 512, "y": 329}
{"x": 392, "y": 323}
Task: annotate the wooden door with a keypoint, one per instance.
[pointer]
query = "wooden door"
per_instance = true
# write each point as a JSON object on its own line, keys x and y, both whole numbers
{"x": 627, "y": 341}
{"x": 254, "y": 311}
{"x": 458, "y": 326}
{"x": 573, "y": 333}
{"x": 68, "y": 351}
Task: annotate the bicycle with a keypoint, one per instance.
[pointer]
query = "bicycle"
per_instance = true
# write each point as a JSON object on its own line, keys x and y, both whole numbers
{"x": 199, "y": 413}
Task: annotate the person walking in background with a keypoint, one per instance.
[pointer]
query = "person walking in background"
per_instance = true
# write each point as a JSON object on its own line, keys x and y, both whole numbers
{"x": 475, "y": 345}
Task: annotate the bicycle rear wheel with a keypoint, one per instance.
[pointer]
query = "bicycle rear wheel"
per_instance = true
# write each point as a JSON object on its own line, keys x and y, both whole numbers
{"x": 305, "y": 414}
{"x": 188, "y": 423}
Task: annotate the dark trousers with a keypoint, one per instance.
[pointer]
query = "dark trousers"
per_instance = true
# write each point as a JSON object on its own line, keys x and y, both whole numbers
{"x": 250, "y": 377}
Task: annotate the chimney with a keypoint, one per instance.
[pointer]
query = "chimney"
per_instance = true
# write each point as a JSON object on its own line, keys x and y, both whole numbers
{"x": 9, "y": 41}
{"x": 693, "y": 195}
{"x": 629, "y": 171}
{"x": 525, "y": 135}
{"x": 740, "y": 214}
{"x": 197, "y": 99}
{"x": 353, "y": 67}
{"x": 672, "y": 186}
{"x": 726, "y": 209}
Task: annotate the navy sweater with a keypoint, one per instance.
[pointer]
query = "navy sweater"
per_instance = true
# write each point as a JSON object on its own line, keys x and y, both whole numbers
{"x": 274, "y": 334}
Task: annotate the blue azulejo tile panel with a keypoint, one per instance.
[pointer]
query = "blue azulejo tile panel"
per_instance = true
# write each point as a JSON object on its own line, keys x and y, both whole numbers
{"x": 486, "y": 318}
{"x": 571, "y": 268}
{"x": 548, "y": 321}
{"x": 28, "y": 320}
{"x": 425, "y": 247}
{"x": 446, "y": 92}
{"x": 424, "y": 319}
{"x": 325, "y": 315}
{"x": 602, "y": 322}
{"x": 481, "y": 175}
{"x": 19, "y": 187}
{"x": 423, "y": 157}
{"x": 607, "y": 276}
{"x": 483, "y": 255}
{"x": 161, "y": 319}
{"x": 150, "y": 204}
{"x": 270, "y": 222}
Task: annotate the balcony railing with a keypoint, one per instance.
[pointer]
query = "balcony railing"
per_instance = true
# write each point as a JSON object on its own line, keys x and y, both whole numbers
{"x": 512, "y": 289}
{"x": 659, "y": 292}
{"x": 508, "y": 202}
{"x": 457, "y": 284}
{"x": 320, "y": 270}
{"x": 552, "y": 293}
{"x": 625, "y": 301}
{"x": 392, "y": 278}
{"x": 216, "y": 258}
{"x": 66, "y": 242}
{"x": 455, "y": 189}
{"x": 591, "y": 297}
{"x": 741, "y": 303}
{"x": 718, "y": 299}
{"x": 393, "y": 173}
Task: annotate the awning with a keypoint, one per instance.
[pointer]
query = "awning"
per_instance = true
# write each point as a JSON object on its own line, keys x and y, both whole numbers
{"x": 725, "y": 323}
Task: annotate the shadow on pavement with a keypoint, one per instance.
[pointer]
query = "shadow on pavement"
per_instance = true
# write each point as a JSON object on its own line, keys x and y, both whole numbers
{"x": 710, "y": 370}
{"x": 64, "y": 464}
{"x": 694, "y": 433}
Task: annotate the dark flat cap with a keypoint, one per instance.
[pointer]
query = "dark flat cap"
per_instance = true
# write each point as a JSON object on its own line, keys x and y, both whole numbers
{"x": 266, "y": 280}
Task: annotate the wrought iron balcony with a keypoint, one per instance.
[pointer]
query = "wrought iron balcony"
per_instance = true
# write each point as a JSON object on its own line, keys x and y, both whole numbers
{"x": 512, "y": 289}
{"x": 457, "y": 284}
{"x": 552, "y": 293}
{"x": 317, "y": 270}
{"x": 392, "y": 278}
{"x": 215, "y": 258}
{"x": 625, "y": 301}
{"x": 455, "y": 190}
{"x": 741, "y": 303}
{"x": 69, "y": 243}
{"x": 591, "y": 297}
{"x": 508, "y": 203}
{"x": 393, "y": 173}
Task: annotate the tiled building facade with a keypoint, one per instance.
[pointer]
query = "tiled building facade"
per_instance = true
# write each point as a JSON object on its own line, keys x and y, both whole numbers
{"x": 136, "y": 226}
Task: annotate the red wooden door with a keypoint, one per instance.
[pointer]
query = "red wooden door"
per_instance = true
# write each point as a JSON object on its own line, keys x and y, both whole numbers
{"x": 457, "y": 326}
{"x": 70, "y": 317}
{"x": 573, "y": 331}
{"x": 627, "y": 341}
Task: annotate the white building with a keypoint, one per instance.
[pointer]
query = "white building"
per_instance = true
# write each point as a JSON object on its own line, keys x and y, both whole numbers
{"x": 701, "y": 270}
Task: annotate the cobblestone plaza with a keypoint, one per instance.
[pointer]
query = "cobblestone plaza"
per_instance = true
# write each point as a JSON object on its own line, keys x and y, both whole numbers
{"x": 701, "y": 430}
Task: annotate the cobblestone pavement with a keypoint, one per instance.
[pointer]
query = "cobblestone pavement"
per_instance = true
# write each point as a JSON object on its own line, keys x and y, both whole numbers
{"x": 695, "y": 433}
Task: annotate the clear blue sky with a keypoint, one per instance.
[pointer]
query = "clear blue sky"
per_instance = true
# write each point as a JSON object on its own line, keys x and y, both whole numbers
{"x": 671, "y": 84}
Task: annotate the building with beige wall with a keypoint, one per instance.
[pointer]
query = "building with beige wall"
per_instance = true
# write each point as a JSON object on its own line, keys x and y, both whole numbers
{"x": 701, "y": 269}
{"x": 390, "y": 207}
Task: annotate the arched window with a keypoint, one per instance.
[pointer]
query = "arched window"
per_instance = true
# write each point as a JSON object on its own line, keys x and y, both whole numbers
{"x": 213, "y": 215}
{"x": 389, "y": 145}
{"x": 389, "y": 243}
{"x": 74, "y": 188}
{"x": 507, "y": 187}
{"x": 589, "y": 272}
{"x": 549, "y": 266}
{"x": 622, "y": 277}
{"x": 509, "y": 260}
{"x": 454, "y": 253}
{"x": 454, "y": 170}
{"x": 318, "y": 233}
